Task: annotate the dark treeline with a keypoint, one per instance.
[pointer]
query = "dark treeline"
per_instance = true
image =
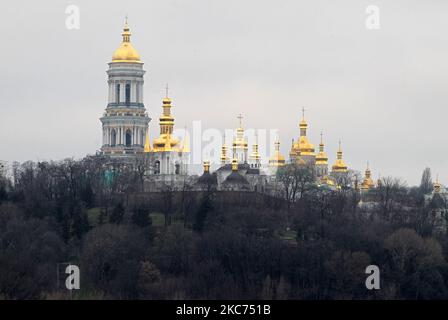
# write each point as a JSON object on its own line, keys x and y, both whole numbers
{"x": 213, "y": 245}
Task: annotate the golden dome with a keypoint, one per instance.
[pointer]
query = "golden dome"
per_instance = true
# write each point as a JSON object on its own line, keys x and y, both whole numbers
{"x": 277, "y": 159}
{"x": 339, "y": 165}
{"x": 302, "y": 147}
{"x": 321, "y": 157}
{"x": 367, "y": 182}
{"x": 126, "y": 52}
{"x": 305, "y": 147}
{"x": 166, "y": 142}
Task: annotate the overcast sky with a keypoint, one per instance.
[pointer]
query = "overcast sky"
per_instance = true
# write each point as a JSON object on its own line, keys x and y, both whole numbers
{"x": 383, "y": 92}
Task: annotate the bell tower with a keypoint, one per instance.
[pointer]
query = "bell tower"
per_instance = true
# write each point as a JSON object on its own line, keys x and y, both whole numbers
{"x": 125, "y": 121}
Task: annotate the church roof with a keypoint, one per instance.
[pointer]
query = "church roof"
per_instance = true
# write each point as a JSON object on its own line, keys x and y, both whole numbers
{"x": 235, "y": 178}
{"x": 207, "y": 179}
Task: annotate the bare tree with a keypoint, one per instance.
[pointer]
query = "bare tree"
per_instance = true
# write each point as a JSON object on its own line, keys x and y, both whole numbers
{"x": 296, "y": 179}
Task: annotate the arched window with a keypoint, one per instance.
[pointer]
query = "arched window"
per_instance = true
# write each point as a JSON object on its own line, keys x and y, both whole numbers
{"x": 177, "y": 169}
{"x": 117, "y": 93}
{"x": 142, "y": 138}
{"x": 128, "y": 138}
{"x": 157, "y": 167}
{"x": 113, "y": 138}
{"x": 128, "y": 93}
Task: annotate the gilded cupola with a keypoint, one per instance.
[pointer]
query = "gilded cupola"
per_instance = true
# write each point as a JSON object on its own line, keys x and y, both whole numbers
{"x": 302, "y": 149}
{"x": 166, "y": 142}
{"x": 339, "y": 165}
{"x": 321, "y": 157}
{"x": 368, "y": 181}
{"x": 126, "y": 52}
{"x": 277, "y": 159}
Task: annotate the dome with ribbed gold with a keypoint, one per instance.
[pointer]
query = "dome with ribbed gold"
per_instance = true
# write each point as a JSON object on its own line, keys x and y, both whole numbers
{"x": 126, "y": 52}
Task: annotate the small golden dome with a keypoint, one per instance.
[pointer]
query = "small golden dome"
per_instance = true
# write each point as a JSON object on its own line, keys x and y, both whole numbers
{"x": 321, "y": 157}
{"x": 367, "y": 182}
{"x": 126, "y": 52}
{"x": 339, "y": 165}
{"x": 277, "y": 159}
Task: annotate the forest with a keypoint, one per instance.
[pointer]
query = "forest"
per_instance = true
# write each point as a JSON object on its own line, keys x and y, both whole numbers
{"x": 211, "y": 244}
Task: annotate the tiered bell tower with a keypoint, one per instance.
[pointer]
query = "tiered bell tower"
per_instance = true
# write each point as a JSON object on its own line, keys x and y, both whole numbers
{"x": 125, "y": 121}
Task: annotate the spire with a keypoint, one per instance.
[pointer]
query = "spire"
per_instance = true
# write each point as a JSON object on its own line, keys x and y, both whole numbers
{"x": 240, "y": 118}
{"x": 321, "y": 144}
{"x": 339, "y": 153}
{"x": 126, "y": 33}
{"x": 147, "y": 142}
{"x": 255, "y": 156}
{"x": 368, "y": 173}
{"x": 321, "y": 157}
{"x": 303, "y": 125}
{"x": 166, "y": 91}
{"x": 239, "y": 145}
{"x": 186, "y": 142}
{"x": 240, "y": 130}
{"x": 224, "y": 150}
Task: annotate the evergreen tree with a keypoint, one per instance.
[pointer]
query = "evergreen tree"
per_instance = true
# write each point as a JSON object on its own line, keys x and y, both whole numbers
{"x": 426, "y": 182}
{"x": 117, "y": 214}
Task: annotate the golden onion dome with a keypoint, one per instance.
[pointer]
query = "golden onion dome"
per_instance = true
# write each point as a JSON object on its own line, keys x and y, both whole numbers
{"x": 277, "y": 159}
{"x": 339, "y": 165}
{"x": 321, "y": 157}
{"x": 367, "y": 182}
{"x": 305, "y": 147}
{"x": 126, "y": 52}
